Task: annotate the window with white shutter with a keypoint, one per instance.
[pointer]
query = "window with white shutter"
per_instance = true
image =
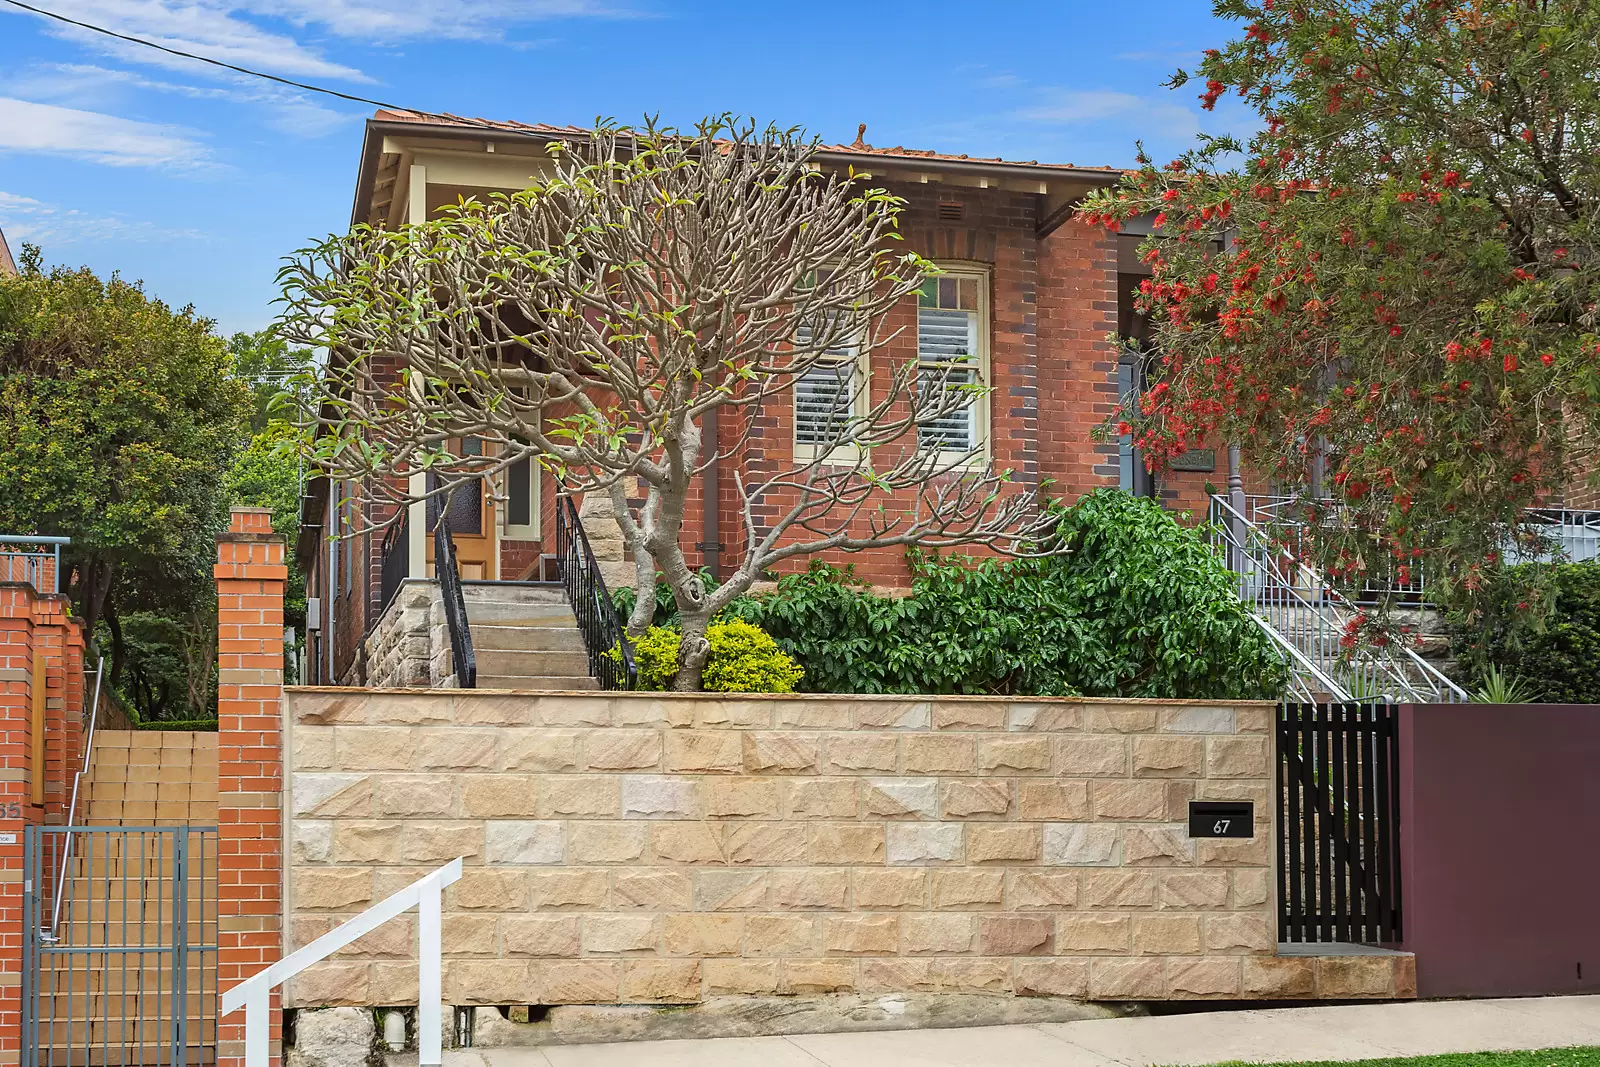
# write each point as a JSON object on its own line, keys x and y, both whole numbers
{"x": 826, "y": 398}
{"x": 952, "y": 351}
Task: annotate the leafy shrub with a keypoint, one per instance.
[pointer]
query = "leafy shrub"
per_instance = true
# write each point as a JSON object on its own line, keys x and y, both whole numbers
{"x": 1556, "y": 650}
{"x": 744, "y": 659}
{"x": 1137, "y": 606}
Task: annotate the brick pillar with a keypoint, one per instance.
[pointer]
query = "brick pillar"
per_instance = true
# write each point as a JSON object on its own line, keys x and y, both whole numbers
{"x": 16, "y": 708}
{"x": 52, "y": 629}
{"x": 250, "y": 578}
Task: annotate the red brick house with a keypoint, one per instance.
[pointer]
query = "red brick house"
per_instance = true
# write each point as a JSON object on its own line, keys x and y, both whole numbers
{"x": 1039, "y": 292}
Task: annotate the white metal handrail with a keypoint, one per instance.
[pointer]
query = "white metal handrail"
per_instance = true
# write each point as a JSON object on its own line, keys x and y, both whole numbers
{"x": 72, "y": 808}
{"x": 1307, "y": 619}
{"x": 426, "y": 894}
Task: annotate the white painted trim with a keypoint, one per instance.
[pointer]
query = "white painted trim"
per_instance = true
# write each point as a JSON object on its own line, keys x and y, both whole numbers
{"x": 417, "y": 202}
{"x": 426, "y": 894}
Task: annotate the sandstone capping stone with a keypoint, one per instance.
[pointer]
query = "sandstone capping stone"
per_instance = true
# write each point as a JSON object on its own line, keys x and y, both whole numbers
{"x": 969, "y": 715}
{"x": 570, "y": 709}
{"x": 1051, "y": 718}
{"x": 815, "y": 715}
{"x": 1278, "y": 977}
{"x": 1355, "y": 976}
{"x": 733, "y": 714}
{"x": 894, "y": 715}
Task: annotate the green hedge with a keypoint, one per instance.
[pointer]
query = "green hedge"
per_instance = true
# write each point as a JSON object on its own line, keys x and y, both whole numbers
{"x": 1542, "y": 625}
{"x": 1138, "y": 606}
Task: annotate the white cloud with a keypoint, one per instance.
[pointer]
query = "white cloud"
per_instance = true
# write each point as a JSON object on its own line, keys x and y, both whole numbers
{"x": 1077, "y": 107}
{"x": 26, "y": 126}
{"x": 88, "y": 86}
{"x": 384, "y": 20}
{"x": 26, "y": 219}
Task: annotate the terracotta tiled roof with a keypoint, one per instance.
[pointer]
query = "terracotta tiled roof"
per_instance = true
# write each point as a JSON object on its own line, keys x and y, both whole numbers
{"x": 859, "y": 148}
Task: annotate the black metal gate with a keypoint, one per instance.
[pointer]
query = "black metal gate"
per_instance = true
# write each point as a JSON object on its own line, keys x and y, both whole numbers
{"x": 120, "y": 946}
{"x": 1338, "y": 824}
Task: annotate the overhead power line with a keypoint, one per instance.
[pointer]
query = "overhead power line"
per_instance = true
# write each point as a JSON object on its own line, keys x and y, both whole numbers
{"x": 256, "y": 73}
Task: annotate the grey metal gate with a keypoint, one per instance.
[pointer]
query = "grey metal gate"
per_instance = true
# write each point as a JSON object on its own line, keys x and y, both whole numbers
{"x": 120, "y": 946}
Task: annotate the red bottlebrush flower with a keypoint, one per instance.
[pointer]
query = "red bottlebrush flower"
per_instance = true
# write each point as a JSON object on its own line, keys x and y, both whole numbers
{"x": 1452, "y": 178}
{"x": 1124, "y": 428}
{"x": 1527, "y": 135}
{"x": 1523, "y": 605}
{"x": 1406, "y": 197}
{"x": 1211, "y": 282}
{"x": 1522, "y": 274}
{"x": 1395, "y": 331}
{"x": 1547, "y": 358}
{"x": 1511, "y": 362}
{"x": 1560, "y": 253}
{"x": 1452, "y": 351}
{"x": 1159, "y": 221}
{"x": 1465, "y": 387}
{"x": 1170, "y": 195}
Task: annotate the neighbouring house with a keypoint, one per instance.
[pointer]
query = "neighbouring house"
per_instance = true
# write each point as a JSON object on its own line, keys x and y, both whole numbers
{"x": 8, "y": 266}
{"x": 1041, "y": 293}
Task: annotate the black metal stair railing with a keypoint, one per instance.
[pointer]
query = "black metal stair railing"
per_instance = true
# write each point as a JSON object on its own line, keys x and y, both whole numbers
{"x": 455, "y": 604}
{"x": 603, "y": 632}
{"x": 395, "y": 563}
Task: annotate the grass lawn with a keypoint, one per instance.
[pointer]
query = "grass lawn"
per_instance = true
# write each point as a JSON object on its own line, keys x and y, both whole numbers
{"x": 1553, "y": 1057}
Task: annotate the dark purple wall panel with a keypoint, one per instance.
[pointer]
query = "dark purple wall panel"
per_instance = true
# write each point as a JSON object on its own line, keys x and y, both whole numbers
{"x": 1500, "y": 847}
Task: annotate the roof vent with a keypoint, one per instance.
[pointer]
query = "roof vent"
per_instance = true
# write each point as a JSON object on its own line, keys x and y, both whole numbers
{"x": 951, "y": 212}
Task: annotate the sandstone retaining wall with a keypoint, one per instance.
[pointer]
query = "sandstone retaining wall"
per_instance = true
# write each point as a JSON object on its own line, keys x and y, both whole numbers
{"x": 644, "y": 848}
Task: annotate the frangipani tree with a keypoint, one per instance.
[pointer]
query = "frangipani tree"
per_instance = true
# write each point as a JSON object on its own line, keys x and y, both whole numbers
{"x": 595, "y": 321}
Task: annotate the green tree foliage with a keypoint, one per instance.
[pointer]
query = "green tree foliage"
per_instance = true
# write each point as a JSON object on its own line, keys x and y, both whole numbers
{"x": 1557, "y": 653}
{"x": 119, "y": 418}
{"x": 1410, "y": 281}
{"x": 1136, "y": 606}
{"x": 744, "y": 659}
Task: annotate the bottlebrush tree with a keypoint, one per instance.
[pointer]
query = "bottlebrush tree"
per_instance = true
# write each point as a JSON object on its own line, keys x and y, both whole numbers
{"x": 1397, "y": 272}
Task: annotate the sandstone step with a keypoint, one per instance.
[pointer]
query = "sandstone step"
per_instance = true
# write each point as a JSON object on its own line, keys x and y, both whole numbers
{"x": 528, "y": 663}
{"x": 500, "y": 613}
{"x": 547, "y": 683}
{"x": 488, "y": 637}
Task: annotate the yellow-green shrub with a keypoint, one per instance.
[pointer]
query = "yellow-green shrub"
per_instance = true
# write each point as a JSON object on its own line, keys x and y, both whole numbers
{"x": 744, "y": 659}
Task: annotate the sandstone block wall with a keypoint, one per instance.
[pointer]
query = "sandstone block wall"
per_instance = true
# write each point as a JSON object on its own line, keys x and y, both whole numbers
{"x": 642, "y": 848}
{"x": 410, "y": 643}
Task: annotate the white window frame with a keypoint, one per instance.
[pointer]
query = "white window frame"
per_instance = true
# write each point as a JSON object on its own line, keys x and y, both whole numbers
{"x": 862, "y": 386}
{"x": 533, "y": 530}
{"x": 981, "y": 421}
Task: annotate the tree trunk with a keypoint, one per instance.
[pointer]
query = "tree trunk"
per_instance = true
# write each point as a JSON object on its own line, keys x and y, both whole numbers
{"x": 119, "y": 650}
{"x": 693, "y": 651}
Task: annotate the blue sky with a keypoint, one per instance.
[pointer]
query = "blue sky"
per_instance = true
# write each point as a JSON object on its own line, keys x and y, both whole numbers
{"x": 199, "y": 181}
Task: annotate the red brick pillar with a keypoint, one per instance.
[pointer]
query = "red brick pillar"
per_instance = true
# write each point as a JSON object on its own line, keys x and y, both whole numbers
{"x": 16, "y": 710}
{"x": 250, "y": 578}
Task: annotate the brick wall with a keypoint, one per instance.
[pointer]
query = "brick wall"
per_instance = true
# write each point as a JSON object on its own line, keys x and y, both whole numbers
{"x": 250, "y": 577}
{"x": 636, "y": 848}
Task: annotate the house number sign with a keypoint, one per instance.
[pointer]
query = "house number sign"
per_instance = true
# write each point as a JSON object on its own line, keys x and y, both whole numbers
{"x": 1222, "y": 818}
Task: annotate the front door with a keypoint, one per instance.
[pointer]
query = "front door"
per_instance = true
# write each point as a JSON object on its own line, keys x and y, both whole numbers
{"x": 470, "y": 514}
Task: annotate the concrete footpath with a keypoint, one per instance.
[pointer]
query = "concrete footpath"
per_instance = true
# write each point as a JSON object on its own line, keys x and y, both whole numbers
{"x": 1368, "y": 1031}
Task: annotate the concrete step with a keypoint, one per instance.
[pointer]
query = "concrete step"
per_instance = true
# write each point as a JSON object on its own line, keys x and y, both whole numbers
{"x": 514, "y": 593}
{"x": 529, "y": 662}
{"x": 546, "y": 683}
{"x": 487, "y": 637}
{"x": 498, "y": 613}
